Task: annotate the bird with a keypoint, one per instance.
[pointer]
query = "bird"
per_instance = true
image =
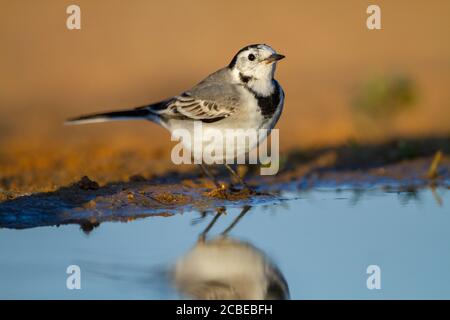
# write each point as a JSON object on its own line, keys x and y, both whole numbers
{"x": 226, "y": 268}
{"x": 242, "y": 95}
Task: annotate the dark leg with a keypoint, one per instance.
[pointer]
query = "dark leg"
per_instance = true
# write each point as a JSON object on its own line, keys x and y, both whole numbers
{"x": 234, "y": 174}
{"x": 245, "y": 209}
{"x": 210, "y": 175}
{"x": 220, "y": 211}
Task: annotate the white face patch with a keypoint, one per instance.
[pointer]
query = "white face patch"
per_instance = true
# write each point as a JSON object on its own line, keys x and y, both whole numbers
{"x": 252, "y": 61}
{"x": 253, "y": 68}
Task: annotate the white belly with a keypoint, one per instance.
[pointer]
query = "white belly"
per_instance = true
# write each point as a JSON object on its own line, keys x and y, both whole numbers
{"x": 228, "y": 140}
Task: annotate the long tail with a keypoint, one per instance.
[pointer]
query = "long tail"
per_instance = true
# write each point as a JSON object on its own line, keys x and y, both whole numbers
{"x": 138, "y": 113}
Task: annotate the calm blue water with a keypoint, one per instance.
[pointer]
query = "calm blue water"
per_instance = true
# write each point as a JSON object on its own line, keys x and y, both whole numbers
{"x": 321, "y": 241}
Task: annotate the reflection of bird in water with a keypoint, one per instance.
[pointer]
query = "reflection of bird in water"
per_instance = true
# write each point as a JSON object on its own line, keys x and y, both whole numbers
{"x": 226, "y": 268}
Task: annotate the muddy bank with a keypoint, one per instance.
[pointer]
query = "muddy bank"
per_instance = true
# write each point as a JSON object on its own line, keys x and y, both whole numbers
{"x": 397, "y": 167}
{"x": 26, "y": 170}
{"x": 88, "y": 204}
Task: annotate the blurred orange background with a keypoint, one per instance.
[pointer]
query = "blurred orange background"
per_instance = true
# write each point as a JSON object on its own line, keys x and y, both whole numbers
{"x": 130, "y": 53}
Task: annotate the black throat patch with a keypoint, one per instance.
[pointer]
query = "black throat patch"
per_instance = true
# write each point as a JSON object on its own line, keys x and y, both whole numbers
{"x": 268, "y": 105}
{"x": 244, "y": 78}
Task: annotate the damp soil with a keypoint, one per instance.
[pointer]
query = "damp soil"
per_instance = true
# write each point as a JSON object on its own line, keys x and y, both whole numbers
{"x": 399, "y": 165}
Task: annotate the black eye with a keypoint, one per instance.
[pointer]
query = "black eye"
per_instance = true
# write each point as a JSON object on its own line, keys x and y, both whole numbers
{"x": 251, "y": 57}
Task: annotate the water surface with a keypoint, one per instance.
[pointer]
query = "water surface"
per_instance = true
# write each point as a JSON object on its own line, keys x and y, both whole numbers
{"x": 320, "y": 242}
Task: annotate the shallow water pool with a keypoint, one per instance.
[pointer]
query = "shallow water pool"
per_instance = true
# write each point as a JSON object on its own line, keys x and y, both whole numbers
{"x": 316, "y": 245}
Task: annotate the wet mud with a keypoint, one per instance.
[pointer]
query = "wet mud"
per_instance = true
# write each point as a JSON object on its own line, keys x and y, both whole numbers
{"x": 395, "y": 166}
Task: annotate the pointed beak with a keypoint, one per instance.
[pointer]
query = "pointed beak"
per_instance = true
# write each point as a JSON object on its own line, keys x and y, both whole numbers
{"x": 273, "y": 58}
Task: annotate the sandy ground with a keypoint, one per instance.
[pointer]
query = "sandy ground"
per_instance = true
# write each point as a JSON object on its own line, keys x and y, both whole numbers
{"x": 127, "y": 55}
{"x": 401, "y": 167}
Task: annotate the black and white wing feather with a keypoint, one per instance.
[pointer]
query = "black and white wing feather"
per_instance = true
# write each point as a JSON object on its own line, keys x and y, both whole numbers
{"x": 210, "y": 100}
{"x": 186, "y": 106}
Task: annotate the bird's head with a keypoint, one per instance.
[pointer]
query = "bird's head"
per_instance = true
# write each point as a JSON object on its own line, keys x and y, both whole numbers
{"x": 254, "y": 66}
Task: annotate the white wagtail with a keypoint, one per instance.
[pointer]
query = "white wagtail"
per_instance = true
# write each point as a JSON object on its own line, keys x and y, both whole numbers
{"x": 227, "y": 268}
{"x": 244, "y": 95}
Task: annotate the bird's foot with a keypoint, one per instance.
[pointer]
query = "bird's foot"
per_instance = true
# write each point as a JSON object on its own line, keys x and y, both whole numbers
{"x": 231, "y": 192}
{"x": 245, "y": 189}
{"x": 219, "y": 192}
